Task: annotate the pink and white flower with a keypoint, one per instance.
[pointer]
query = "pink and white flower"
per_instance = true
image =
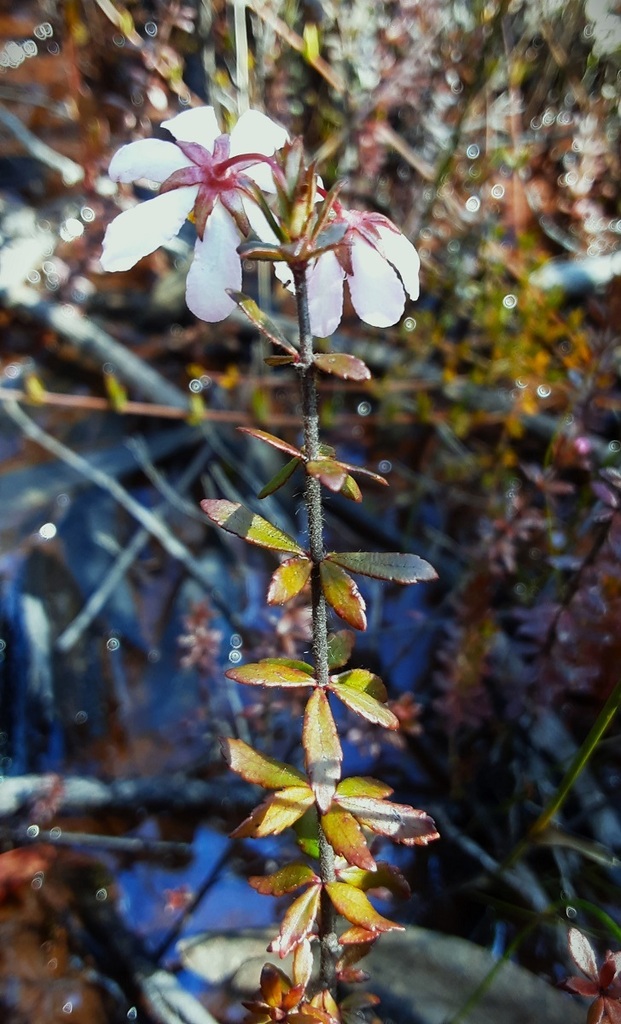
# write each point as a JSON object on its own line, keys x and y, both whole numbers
{"x": 205, "y": 173}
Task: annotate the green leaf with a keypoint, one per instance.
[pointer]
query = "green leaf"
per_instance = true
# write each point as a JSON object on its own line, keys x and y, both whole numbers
{"x": 329, "y": 472}
{"x": 260, "y": 320}
{"x": 340, "y": 646}
{"x": 344, "y": 366}
{"x": 279, "y": 478}
{"x": 322, "y": 748}
{"x": 383, "y": 876}
{"x": 289, "y": 579}
{"x": 258, "y": 768}
{"x": 364, "y": 681}
{"x": 363, "y": 785}
{"x": 307, "y": 833}
{"x": 288, "y": 879}
{"x": 367, "y": 707}
{"x": 299, "y": 921}
{"x": 271, "y": 439}
{"x": 243, "y": 523}
{"x": 393, "y": 566}
{"x": 277, "y": 812}
{"x": 343, "y": 595}
{"x": 346, "y": 838}
{"x": 270, "y": 673}
{"x": 281, "y": 360}
{"x": 401, "y": 823}
{"x": 351, "y": 490}
{"x": 353, "y": 905}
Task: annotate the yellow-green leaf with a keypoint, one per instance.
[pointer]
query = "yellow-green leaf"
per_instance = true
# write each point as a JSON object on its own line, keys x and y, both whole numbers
{"x": 367, "y": 707}
{"x": 322, "y": 748}
{"x": 351, "y": 490}
{"x": 270, "y": 673}
{"x": 288, "y": 879}
{"x": 363, "y": 785}
{"x": 289, "y": 579}
{"x": 243, "y": 523}
{"x": 299, "y": 920}
{"x": 343, "y": 595}
{"x": 363, "y": 681}
{"x": 346, "y": 837}
{"x": 277, "y": 812}
{"x": 279, "y": 478}
{"x": 258, "y": 768}
{"x": 353, "y": 905}
{"x": 383, "y": 876}
{"x": 262, "y": 322}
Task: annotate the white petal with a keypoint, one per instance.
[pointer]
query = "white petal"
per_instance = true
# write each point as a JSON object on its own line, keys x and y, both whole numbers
{"x": 403, "y": 256}
{"x": 198, "y": 124}
{"x": 376, "y": 291}
{"x": 285, "y": 275}
{"x": 325, "y": 294}
{"x": 259, "y": 222}
{"x": 216, "y": 266}
{"x": 256, "y": 133}
{"x": 141, "y": 230}
{"x": 148, "y": 158}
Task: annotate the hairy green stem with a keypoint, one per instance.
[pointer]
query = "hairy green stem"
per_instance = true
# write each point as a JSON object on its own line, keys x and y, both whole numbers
{"x": 314, "y": 509}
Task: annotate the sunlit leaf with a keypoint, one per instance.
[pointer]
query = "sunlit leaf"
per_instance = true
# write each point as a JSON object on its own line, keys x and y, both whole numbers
{"x": 289, "y": 579}
{"x": 353, "y": 905}
{"x": 291, "y": 662}
{"x": 346, "y": 838}
{"x": 363, "y": 785}
{"x": 341, "y": 365}
{"x": 401, "y": 823}
{"x": 277, "y": 812}
{"x": 302, "y": 963}
{"x": 330, "y": 473}
{"x": 393, "y": 566}
{"x": 351, "y": 490}
{"x": 299, "y": 920}
{"x": 307, "y": 833}
{"x": 384, "y": 876}
{"x": 262, "y": 322}
{"x": 279, "y": 478}
{"x": 363, "y": 681}
{"x": 288, "y": 879}
{"x": 357, "y": 935}
{"x": 343, "y": 595}
{"x": 340, "y": 646}
{"x": 322, "y": 748}
{"x": 269, "y": 673}
{"x": 258, "y": 768}
{"x": 272, "y": 440}
{"x": 234, "y": 518}
{"x": 366, "y": 706}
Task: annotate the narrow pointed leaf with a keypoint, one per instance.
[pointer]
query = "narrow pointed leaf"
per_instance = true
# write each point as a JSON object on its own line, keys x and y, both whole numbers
{"x": 346, "y": 838}
{"x": 366, "y": 472}
{"x": 289, "y": 579}
{"x": 258, "y": 768}
{"x": 322, "y": 748}
{"x": 401, "y": 823}
{"x": 277, "y": 812}
{"x": 365, "y": 706}
{"x": 363, "y": 785}
{"x": 329, "y": 472}
{"x": 363, "y": 681}
{"x": 272, "y": 440}
{"x": 351, "y": 490}
{"x": 343, "y": 595}
{"x": 262, "y": 322}
{"x": 281, "y": 360}
{"x": 344, "y": 366}
{"x": 302, "y": 963}
{"x": 288, "y": 879}
{"x": 299, "y": 920}
{"x": 393, "y": 566}
{"x": 234, "y": 518}
{"x": 279, "y": 478}
{"x": 356, "y": 935}
{"x": 384, "y": 876}
{"x": 270, "y": 673}
{"x": 340, "y": 646}
{"x": 354, "y": 906}
{"x": 582, "y": 953}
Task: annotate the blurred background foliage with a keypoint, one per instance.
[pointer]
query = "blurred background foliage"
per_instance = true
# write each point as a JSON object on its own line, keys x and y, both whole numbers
{"x": 489, "y": 131}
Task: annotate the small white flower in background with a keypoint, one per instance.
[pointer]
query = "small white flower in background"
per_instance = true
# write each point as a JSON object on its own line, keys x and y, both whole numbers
{"x": 205, "y": 173}
{"x": 380, "y": 266}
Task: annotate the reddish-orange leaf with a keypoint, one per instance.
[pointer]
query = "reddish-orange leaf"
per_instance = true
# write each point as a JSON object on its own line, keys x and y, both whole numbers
{"x": 287, "y": 879}
{"x": 255, "y": 767}
{"x": 299, "y": 920}
{"x": 234, "y": 518}
{"x": 386, "y": 565}
{"x": 289, "y": 579}
{"x": 344, "y": 366}
{"x": 343, "y": 595}
{"x": 329, "y": 472}
{"x": 401, "y": 823}
{"x": 322, "y": 748}
{"x": 276, "y": 813}
{"x": 269, "y": 673}
{"x": 346, "y": 838}
{"x": 353, "y": 905}
{"x": 271, "y": 439}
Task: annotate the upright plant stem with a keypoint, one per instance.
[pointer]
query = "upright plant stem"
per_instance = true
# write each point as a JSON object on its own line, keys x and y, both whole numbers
{"x": 314, "y": 510}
